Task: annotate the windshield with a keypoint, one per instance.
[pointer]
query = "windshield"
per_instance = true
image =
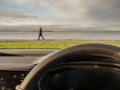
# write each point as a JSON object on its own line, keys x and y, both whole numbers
{"x": 82, "y": 21}
{"x": 31, "y": 31}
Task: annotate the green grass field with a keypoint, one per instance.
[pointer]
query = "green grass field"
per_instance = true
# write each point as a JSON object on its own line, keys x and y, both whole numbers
{"x": 51, "y": 44}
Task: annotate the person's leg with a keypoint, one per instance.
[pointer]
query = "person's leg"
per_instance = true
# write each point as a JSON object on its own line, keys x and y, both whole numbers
{"x": 39, "y": 37}
{"x": 42, "y": 37}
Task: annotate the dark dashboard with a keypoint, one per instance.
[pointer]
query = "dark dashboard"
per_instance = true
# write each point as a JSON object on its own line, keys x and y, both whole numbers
{"x": 13, "y": 70}
{"x": 9, "y": 79}
{"x": 16, "y": 64}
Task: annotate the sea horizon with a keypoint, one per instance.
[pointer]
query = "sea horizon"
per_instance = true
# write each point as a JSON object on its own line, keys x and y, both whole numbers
{"x": 32, "y": 35}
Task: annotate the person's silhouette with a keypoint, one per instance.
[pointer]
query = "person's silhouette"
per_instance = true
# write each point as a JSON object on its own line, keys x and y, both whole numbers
{"x": 40, "y": 34}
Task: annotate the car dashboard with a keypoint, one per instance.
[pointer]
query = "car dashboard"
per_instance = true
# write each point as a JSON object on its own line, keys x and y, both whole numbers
{"x": 15, "y": 65}
{"x": 9, "y": 79}
{"x": 13, "y": 70}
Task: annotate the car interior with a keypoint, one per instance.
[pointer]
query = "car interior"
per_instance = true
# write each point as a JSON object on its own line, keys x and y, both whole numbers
{"x": 80, "y": 67}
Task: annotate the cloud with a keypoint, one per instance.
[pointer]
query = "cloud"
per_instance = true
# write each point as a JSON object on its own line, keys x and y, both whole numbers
{"x": 75, "y": 11}
{"x": 90, "y": 10}
{"x": 104, "y": 11}
{"x": 15, "y": 18}
{"x": 10, "y": 14}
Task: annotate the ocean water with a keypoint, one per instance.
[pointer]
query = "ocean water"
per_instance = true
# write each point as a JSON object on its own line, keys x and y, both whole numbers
{"x": 32, "y": 35}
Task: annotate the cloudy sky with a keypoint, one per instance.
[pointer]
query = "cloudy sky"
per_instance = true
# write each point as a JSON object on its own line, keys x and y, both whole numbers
{"x": 86, "y": 13}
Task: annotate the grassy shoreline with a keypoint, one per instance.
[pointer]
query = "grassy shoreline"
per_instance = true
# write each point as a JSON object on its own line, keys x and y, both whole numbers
{"x": 50, "y": 44}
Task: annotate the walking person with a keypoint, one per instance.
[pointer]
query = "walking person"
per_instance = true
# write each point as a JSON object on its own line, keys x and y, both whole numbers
{"x": 40, "y": 34}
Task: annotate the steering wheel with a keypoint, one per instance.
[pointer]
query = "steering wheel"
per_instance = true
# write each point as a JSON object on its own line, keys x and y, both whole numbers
{"x": 97, "y": 54}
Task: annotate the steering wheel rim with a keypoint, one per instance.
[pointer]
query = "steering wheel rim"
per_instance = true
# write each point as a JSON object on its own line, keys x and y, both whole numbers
{"x": 52, "y": 59}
